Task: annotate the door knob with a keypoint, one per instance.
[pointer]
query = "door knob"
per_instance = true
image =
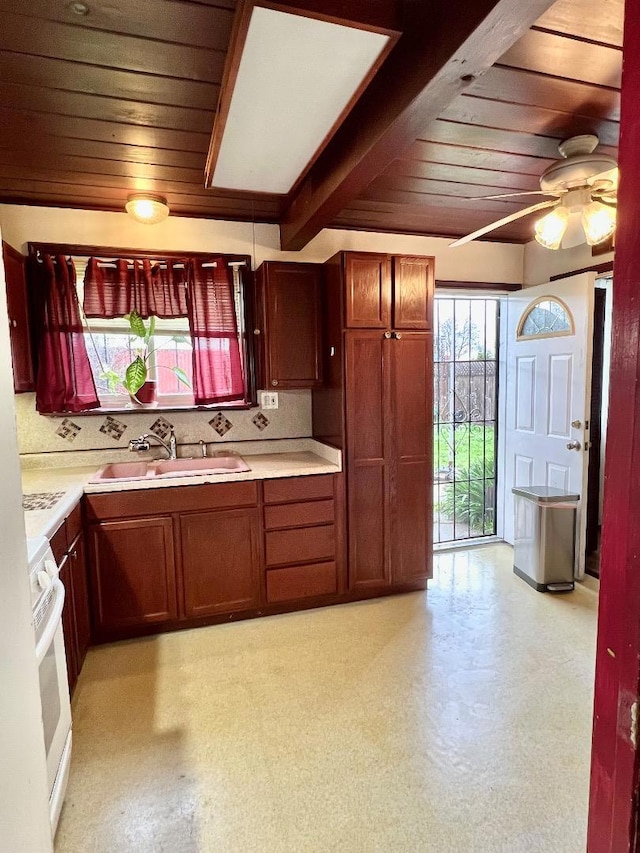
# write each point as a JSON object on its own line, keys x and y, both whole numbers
{"x": 576, "y": 424}
{"x": 387, "y": 335}
{"x": 397, "y": 336}
{"x": 574, "y": 445}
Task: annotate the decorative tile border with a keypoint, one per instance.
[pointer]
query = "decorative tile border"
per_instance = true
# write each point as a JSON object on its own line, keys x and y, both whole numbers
{"x": 68, "y": 430}
{"x": 221, "y": 424}
{"x": 41, "y": 500}
{"x": 260, "y": 421}
{"x": 113, "y": 428}
{"x": 161, "y": 427}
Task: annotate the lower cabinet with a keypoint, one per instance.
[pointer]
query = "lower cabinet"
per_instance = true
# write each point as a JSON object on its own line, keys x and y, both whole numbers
{"x": 76, "y": 624}
{"x": 77, "y": 563}
{"x": 220, "y": 561}
{"x": 302, "y": 540}
{"x": 162, "y": 557}
{"x": 133, "y": 577}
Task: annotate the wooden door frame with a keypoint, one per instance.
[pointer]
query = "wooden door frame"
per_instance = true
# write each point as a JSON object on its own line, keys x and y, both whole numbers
{"x": 613, "y": 808}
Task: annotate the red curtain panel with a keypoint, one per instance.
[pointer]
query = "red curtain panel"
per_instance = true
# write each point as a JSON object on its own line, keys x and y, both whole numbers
{"x": 218, "y": 376}
{"x": 65, "y": 382}
{"x": 118, "y": 287}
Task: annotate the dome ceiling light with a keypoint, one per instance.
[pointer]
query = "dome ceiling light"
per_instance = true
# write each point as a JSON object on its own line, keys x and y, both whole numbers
{"x": 147, "y": 208}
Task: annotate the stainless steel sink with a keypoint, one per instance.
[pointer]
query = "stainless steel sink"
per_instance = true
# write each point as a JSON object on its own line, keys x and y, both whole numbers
{"x": 126, "y": 471}
{"x": 212, "y": 465}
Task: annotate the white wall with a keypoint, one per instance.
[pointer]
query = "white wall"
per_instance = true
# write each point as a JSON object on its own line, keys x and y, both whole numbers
{"x": 495, "y": 262}
{"x": 540, "y": 263}
{"x": 24, "y": 811}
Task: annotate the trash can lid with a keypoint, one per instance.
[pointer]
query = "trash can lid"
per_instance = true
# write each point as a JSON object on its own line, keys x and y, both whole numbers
{"x": 544, "y": 494}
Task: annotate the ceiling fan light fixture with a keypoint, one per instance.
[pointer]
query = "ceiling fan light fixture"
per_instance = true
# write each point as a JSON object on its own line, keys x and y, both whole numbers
{"x": 599, "y": 222}
{"x": 549, "y": 230}
{"x": 147, "y": 208}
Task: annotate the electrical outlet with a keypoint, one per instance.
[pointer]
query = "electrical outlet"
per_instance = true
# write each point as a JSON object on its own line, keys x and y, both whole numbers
{"x": 268, "y": 400}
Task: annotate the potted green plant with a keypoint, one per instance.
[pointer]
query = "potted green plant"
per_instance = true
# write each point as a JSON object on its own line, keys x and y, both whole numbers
{"x": 137, "y": 381}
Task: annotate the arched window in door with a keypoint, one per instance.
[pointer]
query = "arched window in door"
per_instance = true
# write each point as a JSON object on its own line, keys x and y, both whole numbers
{"x": 547, "y": 317}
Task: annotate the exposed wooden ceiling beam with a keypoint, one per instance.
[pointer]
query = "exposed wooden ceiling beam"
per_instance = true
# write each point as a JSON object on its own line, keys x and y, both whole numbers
{"x": 443, "y": 48}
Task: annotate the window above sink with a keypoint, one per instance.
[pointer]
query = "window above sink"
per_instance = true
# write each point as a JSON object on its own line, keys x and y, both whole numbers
{"x": 158, "y": 330}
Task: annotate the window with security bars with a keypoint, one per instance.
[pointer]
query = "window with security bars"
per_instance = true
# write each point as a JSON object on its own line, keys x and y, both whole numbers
{"x": 465, "y": 417}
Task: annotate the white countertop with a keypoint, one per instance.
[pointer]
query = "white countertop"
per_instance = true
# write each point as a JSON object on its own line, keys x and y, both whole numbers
{"x": 74, "y": 482}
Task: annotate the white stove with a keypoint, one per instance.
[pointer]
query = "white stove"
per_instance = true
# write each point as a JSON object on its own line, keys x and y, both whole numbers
{"x": 47, "y": 601}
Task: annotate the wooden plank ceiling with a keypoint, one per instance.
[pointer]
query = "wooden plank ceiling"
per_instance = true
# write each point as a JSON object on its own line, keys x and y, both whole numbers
{"x": 122, "y": 99}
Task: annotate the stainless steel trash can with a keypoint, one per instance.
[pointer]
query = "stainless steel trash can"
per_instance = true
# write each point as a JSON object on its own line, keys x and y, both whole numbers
{"x": 544, "y": 537}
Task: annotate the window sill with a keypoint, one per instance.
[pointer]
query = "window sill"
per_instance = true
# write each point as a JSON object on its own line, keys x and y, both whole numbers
{"x": 136, "y": 410}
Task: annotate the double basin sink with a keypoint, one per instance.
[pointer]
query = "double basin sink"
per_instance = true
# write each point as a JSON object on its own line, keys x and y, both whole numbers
{"x": 164, "y": 468}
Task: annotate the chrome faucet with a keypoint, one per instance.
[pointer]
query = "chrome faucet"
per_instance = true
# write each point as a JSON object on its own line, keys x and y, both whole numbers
{"x": 141, "y": 444}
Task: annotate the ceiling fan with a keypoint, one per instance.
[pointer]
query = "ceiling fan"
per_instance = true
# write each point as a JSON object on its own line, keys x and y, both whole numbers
{"x": 583, "y": 186}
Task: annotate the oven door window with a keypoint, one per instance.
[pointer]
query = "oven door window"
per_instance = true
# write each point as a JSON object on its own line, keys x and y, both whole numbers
{"x": 56, "y": 709}
{"x": 50, "y": 696}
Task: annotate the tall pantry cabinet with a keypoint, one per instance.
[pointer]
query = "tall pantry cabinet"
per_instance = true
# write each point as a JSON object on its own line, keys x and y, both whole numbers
{"x": 376, "y": 405}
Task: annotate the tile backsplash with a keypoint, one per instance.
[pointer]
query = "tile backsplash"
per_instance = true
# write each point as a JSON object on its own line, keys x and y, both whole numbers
{"x": 46, "y": 434}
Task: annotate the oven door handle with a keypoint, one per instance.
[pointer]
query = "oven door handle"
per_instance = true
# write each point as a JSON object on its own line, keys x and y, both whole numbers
{"x": 53, "y": 621}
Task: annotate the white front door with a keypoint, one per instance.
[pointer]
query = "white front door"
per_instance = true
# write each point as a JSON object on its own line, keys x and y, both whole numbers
{"x": 548, "y": 395}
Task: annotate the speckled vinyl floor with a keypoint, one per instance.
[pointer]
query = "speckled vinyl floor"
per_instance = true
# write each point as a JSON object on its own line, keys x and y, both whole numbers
{"x": 453, "y": 722}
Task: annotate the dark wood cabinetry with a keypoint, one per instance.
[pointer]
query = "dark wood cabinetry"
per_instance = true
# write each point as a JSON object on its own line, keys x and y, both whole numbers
{"x": 367, "y": 279}
{"x": 171, "y": 557}
{"x": 411, "y": 443}
{"x": 160, "y": 557}
{"x": 17, "y": 309}
{"x": 413, "y": 284}
{"x": 368, "y": 481}
{"x": 68, "y": 547}
{"x": 376, "y": 406}
{"x": 133, "y": 578}
{"x": 303, "y": 538}
{"x": 386, "y": 292}
{"x": 288, "y": 325}
{"x": 220, "y": 562}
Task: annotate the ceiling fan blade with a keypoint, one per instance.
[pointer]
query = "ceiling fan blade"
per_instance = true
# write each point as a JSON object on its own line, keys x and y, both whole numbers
{"x": 506, "y": 195}
{"x": 507, "y": 219}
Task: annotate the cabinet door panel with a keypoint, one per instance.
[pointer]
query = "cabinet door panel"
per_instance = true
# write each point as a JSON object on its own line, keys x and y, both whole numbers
{"x": 292, "y": 303}
{"x": 413, "y": 283}
{"x": 68, "y": 624}
{"x": 368, "y": 522}
{"x": 367, "y": 398}
{"x": 368, "y": 290}
{"x": 412, "y": 475}
{"x": 16, "y": 281}
{"x": 220, "y": 566}
{"x": 133, "y": 573}
{"x": 78, "y": 563}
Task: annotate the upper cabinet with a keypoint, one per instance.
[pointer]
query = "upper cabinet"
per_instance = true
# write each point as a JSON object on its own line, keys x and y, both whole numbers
{"x": 388, "y": 291}
{"x": 413, "y": 283}
{"x": 368, "y": 290}
{"x": 16, "y": 281}
{"x": 288, "y": 329}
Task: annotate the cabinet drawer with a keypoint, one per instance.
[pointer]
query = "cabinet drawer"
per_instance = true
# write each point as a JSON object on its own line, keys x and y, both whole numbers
{"x": 298, "y": 488}
{"x": 298, "y": 515}
{"x": 59, "y": 543}
{"x": 304, "y": 544}
{"x": 74, "y": 524}
{"x": 301, "y": 582}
